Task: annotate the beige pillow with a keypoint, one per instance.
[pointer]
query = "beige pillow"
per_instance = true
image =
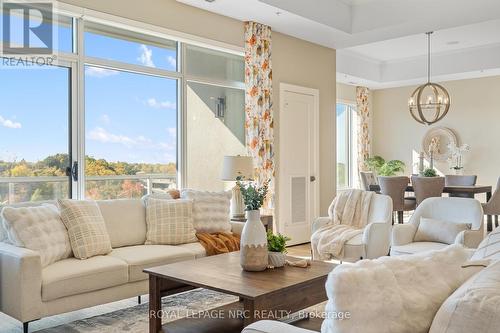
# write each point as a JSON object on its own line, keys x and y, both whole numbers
{"x": 86, "y": 228}
{"x": 169, "y": 222}
{"x": 39, "y": 229}
{"x": 211, "y": 210}
{"x": 430, "y": 230}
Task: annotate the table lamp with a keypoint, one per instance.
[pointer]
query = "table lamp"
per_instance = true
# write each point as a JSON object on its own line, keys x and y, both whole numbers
{"x": 232, "y": 168}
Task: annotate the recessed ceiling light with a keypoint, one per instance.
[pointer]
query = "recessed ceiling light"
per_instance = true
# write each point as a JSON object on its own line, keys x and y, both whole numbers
{"x": 453, "y": 42}
{"x": 210, "y": 0}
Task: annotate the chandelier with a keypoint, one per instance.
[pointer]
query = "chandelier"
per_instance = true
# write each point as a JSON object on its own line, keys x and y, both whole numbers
{"x": 430, "y": 102}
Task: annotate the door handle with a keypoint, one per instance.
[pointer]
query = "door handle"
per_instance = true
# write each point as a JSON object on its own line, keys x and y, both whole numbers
{"x": 312, "y": 178}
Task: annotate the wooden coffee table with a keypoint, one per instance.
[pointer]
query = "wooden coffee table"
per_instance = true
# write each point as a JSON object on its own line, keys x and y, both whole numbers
{"x": 263, "y": 295}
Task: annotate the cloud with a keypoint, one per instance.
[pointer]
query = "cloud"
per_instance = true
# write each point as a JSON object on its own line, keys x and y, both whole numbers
{"x": 9, "y": 123}
{"x": 99, "y": 72}
{"x": 172, "y": 61}
{"x": 101, "y": 135}
{"x": 146, "y": 57}
{"x": 152, "y": 102}
{"x": 172, "y": 131}
{"x": 105, "y": 119}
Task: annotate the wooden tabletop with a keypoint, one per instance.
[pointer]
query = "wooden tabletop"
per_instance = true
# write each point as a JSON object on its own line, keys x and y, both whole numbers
{"x": 475, "y": 189}
{"x": 223, "y": 273}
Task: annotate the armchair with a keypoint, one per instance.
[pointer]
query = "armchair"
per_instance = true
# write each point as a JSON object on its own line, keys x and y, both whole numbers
{"x": 375, "y": 240}
{"x": 456, "y": 210}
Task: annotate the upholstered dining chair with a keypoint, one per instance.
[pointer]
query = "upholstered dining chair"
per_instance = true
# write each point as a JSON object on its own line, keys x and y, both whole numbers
{"x": 437, "y": 223}
{"x": 367, "y": 179}
{"x": 492, "y": 207}
{"x": 395, "y": 187}
{"x": 427, "y": 187}
{"x": 460, "y": 180}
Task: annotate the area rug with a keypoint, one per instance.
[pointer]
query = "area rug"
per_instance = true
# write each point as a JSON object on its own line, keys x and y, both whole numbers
{"x": 135, "y": 319}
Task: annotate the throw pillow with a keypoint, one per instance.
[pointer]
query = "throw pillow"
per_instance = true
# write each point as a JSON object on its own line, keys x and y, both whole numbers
{"x": 210, "y": 210}
{"x": 86, "y": 228}
{"x": 430, "y": 230}
{"x": 169, "y": 222}
{"x": 473, "y": 307}
{"x": 489, "y": 248}
{"x": 164, "y": 196}
{"x": 39, "y": 229}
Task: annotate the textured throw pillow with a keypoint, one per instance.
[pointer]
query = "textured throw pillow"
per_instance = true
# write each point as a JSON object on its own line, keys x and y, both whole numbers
{"x": 210, "y": 210}
{"x": 430, "y": 230}
{"x": 169, "y": 222}
{"x": 86, "y": 228}
{"x": 39, "y": 229}
{"x": 473, "y": 307}
{"x": 164, "y": 196}
{"x": 489, "y": 248}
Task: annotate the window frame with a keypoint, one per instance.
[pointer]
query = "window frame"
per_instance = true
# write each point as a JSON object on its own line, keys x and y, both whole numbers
{"x": 77, "y": 60}
{"x": 351, "y": 140}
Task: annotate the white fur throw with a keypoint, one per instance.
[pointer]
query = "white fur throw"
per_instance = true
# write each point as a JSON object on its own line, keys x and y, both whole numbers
{"x": 348, "y": 217}
{"x": 394, "y": 294}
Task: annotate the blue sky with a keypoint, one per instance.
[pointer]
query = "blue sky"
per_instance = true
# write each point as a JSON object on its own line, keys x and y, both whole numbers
{"x": 129, "y": 117}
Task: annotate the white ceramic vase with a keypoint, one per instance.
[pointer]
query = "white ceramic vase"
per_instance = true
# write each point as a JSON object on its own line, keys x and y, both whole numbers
{"x": 277, "y": 259}
{"x": 253, "y": 244}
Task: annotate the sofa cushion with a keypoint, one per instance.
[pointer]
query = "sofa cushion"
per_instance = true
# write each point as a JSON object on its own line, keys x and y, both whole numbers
{"x": 125, "y": 221}
{"x": 416, "y": 247}
{"x": 474, "y": 306}
{"x": 431, "y": 230}
{"x": 489, "y": 248}
{"x": 169, "y": 222}
{"x": 140, "y": 257}
{"x": 73, "y": 276}
{"x": 196, "y": 248}
{"x": 210, "y": 210}
{"x": 274, "y": 326}
{"x": 39, "y": 229}
{"x": 86, "y": 228}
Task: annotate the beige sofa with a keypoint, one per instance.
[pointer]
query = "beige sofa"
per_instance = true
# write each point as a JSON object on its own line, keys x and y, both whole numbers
{"x": 28, "y": 292}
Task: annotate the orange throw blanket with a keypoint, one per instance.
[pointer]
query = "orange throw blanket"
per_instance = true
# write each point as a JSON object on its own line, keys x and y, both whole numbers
{"x": 219, "y": 242}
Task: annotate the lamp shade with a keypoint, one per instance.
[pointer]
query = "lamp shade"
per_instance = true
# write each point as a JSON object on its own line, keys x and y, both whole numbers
{"x": 234, "y": 166}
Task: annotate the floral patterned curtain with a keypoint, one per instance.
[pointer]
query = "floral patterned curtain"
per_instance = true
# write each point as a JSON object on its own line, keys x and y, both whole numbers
{"x": 259, "y": 104}
{"x": 364, "y": 135}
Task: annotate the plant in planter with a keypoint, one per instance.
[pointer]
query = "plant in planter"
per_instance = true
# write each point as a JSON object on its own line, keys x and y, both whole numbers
{"x": 429, "y": 172}
{"x": 384, "y": 168}
{"x": 253, "y": 243}
{"x": 276, "y": 245}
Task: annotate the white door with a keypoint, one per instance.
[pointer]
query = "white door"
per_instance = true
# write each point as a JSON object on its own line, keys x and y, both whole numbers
{"x": 298, "y": 161}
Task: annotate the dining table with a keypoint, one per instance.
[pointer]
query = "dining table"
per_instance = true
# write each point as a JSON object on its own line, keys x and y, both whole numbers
{"x": 470, "y": 191}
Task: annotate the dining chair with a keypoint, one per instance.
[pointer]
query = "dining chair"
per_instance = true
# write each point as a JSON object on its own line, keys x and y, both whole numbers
{"x": 395, "y": 187}
{"x": 427, "y": 187}
{"x": 460, "y": 180}
{"x": 367, "y": 179}
{"x": 492, "y": 207}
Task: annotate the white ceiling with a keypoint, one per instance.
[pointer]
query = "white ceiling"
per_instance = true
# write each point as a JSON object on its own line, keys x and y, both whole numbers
{"x": 381, "y": 43}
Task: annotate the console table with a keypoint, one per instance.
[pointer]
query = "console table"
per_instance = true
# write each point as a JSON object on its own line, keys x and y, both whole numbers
{"x": 267, "y": 221}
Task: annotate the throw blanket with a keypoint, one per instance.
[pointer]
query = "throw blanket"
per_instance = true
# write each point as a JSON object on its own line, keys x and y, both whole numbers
{"x": 349, "y": 215}
{"x": 219, "y": 242}
{"x": 394, "y": 294}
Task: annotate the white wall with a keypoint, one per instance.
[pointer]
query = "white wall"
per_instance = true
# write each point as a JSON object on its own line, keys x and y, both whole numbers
{"x": 474, "y": 116}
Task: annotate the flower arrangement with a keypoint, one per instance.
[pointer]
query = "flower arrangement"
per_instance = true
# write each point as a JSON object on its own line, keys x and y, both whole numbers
{"x": 456, "y": 158}
{"x": 253, "y": 196}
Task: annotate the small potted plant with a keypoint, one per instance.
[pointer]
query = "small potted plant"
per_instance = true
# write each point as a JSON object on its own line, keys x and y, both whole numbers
{"x": 429, "y": 172}
{"x": 253, "y": 242}
{"x": 276, "y": 245}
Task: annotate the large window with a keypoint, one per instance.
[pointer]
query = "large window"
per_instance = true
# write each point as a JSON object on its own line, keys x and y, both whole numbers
{"x": 347, "y": 175}
{"x": 119, "y": 115}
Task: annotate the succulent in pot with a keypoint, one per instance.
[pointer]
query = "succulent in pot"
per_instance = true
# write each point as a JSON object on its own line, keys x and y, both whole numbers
{"x": 276, "y": 245}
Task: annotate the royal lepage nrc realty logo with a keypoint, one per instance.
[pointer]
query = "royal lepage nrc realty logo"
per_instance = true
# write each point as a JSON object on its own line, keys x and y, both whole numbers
{"x": 27, "y": 29}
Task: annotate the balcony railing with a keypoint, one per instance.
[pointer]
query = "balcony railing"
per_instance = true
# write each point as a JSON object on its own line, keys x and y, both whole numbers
{"x": 18, "y": 189}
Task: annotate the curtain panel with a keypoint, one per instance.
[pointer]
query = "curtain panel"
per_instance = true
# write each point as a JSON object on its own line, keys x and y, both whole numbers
{"x": 259, "y": 104}
{"x": 364, "y": 135}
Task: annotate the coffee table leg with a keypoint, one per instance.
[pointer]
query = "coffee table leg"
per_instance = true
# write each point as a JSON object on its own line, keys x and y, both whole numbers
{"x": 154, "y": 304}
{"x": 249, "y": 307}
